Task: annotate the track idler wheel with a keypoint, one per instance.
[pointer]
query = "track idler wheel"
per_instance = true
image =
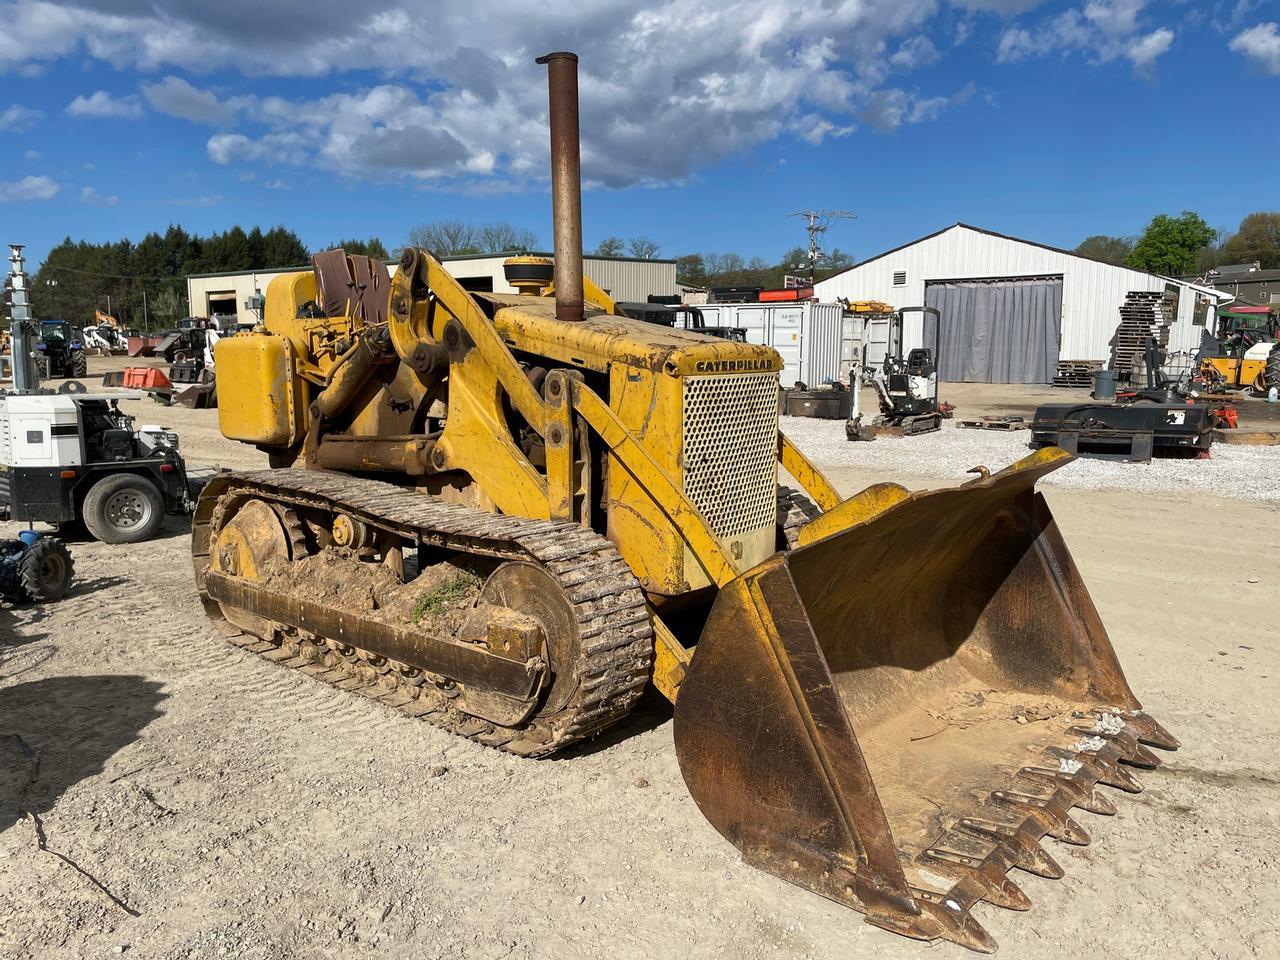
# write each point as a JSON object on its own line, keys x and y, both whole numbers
{"x": 244, "y": 546}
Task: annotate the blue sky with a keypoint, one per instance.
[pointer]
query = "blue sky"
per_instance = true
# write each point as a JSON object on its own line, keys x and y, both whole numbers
{"x": 704, "y": 123}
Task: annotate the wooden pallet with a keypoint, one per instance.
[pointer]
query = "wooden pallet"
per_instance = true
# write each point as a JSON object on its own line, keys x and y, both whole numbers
{"x": 1144, "y": 314}
{"x": 1075, "y": 373}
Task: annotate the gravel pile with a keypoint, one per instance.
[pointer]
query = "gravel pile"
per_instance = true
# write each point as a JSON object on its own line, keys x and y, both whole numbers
{"x": 1238, "y": 472}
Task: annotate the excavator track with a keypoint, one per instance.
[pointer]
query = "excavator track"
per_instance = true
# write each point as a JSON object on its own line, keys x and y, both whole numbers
{"x": 615, "y": 634}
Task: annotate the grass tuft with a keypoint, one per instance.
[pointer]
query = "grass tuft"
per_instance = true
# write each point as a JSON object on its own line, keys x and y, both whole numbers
{"x": 435, "y": 601}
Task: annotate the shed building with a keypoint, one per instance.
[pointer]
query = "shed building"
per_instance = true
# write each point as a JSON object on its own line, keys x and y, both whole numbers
{"x": 1011, "y": 308}
{"x": 623, "y": 278}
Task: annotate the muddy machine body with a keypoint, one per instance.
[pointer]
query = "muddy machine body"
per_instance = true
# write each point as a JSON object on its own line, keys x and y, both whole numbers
{"x": 509, "y": 514}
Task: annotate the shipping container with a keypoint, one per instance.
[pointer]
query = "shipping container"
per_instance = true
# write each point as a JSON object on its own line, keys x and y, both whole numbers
{"x": 809, "y": 335}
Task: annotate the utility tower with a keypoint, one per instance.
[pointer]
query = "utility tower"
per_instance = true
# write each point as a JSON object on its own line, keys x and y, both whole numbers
{"x": 817, "y": 223}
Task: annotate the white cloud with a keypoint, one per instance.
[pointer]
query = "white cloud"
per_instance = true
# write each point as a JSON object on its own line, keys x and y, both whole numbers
{"x": 814, "y": 129}
{"x": 95, "y": 199}
{"x": 1006, "y": 7}
{"x": 890, "y": 109}
{"x": 32, "y": 155}
{"x": 276, "y": 184}
{"x": 1102, "y": 30}
{"x": 447, "y": 113}
{"x": 1261, "y": 44}
{"x": 918, "y": 51}
{"x": 1144, "y": 51}
{"x": 17, "y": 118}
{"x": 28, "y": 188}
{"x": 177, "y": 98}
{"x": 103, "y": 104}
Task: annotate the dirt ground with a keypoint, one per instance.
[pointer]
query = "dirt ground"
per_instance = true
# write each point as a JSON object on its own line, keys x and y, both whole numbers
{"x": 244, "y": 811}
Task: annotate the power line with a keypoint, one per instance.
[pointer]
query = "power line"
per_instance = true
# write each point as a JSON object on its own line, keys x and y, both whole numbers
{"x": 818, "y": 222}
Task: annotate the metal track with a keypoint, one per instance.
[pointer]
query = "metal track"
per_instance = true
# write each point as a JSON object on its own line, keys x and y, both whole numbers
{"x": 607, "y": 601}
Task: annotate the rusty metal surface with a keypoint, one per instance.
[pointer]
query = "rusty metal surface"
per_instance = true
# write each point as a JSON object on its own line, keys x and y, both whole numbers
{"x": 334, "y": 288}
{"x": 850, "y": 718}
{"x": 464, "y": 662}
{"x": 566, "y": 182}
{"x": 373, "y": 287}
{"x": 610, "y": 662}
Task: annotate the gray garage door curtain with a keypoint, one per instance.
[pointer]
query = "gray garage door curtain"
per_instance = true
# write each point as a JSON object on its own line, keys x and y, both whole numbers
{"x": 997, "y": 331}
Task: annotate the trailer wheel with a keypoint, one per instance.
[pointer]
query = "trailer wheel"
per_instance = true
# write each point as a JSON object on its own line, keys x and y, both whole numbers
{"x": 123, "y": 508}
{"x": 45, "y": 570}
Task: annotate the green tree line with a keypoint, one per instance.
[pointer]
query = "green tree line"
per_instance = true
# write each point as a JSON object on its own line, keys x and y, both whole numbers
{"x": 1184, "y": 245}
{"x": 143, "y": 284}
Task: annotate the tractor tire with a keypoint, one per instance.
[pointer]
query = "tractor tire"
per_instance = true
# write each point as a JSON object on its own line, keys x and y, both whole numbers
{"x": 42, "y": 367}
{"x": 79, "y": 365}
{"x": 45, "y": 571}
{"x": 123, "y": 508}
{"x": 1271, "y": 372}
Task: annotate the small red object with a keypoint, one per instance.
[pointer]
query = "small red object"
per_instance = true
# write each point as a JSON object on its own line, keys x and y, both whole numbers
{"x": 787, "y": 294}
{"x": 146, "y": 378}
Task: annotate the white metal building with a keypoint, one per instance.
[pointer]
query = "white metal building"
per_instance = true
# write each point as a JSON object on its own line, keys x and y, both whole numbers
{"x": 623, "y": 278}
{"x": 1012, "y": 308}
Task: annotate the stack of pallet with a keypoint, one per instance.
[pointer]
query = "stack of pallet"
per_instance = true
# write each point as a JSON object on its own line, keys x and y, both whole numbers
{"x": 1144, "y": 314}
{"x": 1075, "y": 373}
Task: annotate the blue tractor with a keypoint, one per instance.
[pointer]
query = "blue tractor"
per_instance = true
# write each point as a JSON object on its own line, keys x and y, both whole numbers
{"x": 34, "y": 569}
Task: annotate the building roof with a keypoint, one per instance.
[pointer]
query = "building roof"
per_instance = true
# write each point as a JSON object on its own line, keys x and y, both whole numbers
{"x": 548, "y": 253}
{"x": 1230, "y": 268}
{"x": 243, "y": 273}
{"x": 1257, "y": 276}
{"x": 461, "y": 256}
{"x": 1030, "y": 243}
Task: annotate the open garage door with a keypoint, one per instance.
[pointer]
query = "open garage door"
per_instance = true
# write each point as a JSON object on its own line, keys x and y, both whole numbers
{"x": 997, "y": 331}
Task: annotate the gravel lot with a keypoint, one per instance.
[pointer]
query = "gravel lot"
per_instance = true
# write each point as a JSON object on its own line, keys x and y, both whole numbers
{"x": 240, "y": 810}
{"x": 1237, "y": 472}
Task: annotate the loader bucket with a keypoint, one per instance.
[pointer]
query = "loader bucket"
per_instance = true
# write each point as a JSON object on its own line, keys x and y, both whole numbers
{"x": 894, "y": 715}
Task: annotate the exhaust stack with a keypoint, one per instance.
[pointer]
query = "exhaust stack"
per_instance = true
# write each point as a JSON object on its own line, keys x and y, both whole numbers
{"x": 566, "y": 181}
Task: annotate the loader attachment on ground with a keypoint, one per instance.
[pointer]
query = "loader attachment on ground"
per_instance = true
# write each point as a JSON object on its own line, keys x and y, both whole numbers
{"x": 896, "y": 714}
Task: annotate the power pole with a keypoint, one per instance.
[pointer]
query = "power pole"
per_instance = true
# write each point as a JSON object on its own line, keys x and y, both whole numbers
{"x": 817, "y": 223}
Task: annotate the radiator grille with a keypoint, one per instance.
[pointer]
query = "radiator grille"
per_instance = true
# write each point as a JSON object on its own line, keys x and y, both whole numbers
{"x": 730, "y": 450}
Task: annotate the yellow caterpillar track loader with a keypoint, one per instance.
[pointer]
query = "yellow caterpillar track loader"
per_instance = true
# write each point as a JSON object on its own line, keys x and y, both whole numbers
{"x": 508, "y": 514}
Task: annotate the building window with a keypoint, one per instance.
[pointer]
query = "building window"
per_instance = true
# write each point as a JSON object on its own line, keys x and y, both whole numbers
{"x": 1204, "y": 307}
{"x": 899, "y": 278}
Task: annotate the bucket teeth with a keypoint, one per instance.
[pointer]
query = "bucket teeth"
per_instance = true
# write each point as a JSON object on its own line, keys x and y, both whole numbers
{"x": 970, "y": 933}
{"x": 1127, "y": 742}
{"x": 1026, "y": 853}
{"x": 1139, "y": 724}
{"x": 1114, "y": 775}
{"x": 1037, "y": 860}
{"x": 1071, "y": 832}
{"x": 1150, "y": 732}
{"x": 1097, "y": 803}
{"x": 975, "y": 874}
{"x": 1009, "y": 895}
{"x": 1142, "y": 757}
